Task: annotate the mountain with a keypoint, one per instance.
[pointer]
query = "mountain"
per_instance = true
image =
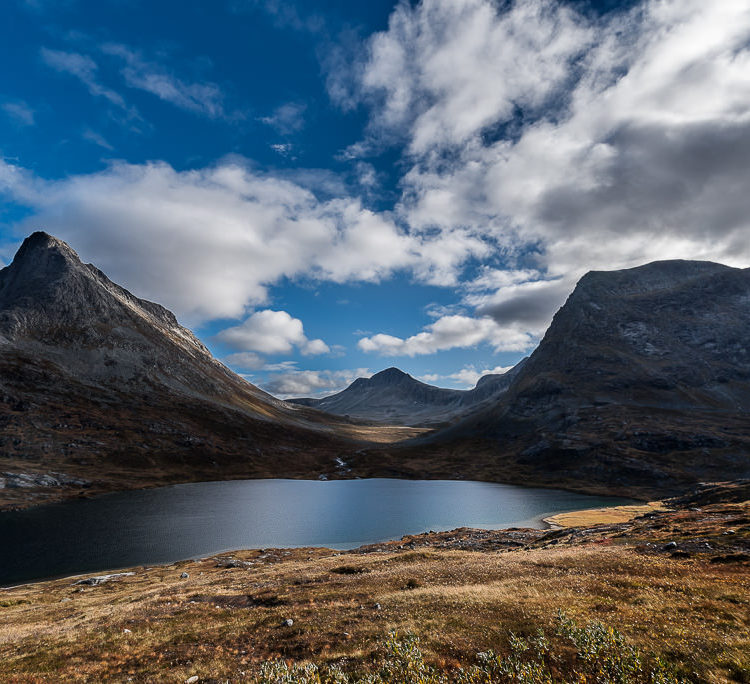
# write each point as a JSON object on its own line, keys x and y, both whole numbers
{"x": 99, "y": 386}
{"x": 641, "y": 382}
{"x": 396, "y": 398}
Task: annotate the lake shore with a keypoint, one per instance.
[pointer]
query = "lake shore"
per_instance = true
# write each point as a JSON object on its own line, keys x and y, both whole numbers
{"x": 602, "y": 516}
{"x": 675, "y": 582}
{"x": 191, "y": 520}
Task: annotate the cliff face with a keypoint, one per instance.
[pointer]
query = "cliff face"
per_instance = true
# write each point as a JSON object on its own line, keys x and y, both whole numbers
{"x": 641, "y": 381}
{"x": 99, "y": 383}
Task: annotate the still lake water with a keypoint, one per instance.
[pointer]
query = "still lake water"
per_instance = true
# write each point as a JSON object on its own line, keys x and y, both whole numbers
{"x": 192, "y": 520}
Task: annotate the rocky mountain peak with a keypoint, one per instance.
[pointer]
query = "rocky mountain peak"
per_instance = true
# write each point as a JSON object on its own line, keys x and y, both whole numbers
{"x": 39, "y": 242}
{"x": 47, "y": 295}
{"x": 389, "y": 376}
{"x": 41, "y": 260}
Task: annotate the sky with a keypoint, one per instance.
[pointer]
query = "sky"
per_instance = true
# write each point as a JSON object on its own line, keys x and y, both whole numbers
{"x": 327, "y": 188}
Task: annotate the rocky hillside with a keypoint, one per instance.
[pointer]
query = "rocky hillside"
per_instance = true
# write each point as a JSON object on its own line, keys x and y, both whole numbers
{"x": 642, "y": 381}
{"x": 97, "y": 385}
{"x": 396, "y": 398}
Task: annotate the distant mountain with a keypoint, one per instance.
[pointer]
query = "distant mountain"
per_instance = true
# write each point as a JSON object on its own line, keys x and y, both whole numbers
{"x": 99, "y": 384}
{"x": 642, "y": 381}
{"x": 396, "y": 398}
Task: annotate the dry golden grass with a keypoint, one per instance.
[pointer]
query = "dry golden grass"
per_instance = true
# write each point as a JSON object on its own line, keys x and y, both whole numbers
{"x": 380, "y": 434}
{"x": 603, "y": 516}
{"x": 221, "y": 622}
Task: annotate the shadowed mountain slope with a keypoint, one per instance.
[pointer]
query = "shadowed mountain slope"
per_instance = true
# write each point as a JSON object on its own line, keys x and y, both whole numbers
{"x": 396, "y": 398}
{"x": 641, "y": 382}
{"x": 100, "y": 385}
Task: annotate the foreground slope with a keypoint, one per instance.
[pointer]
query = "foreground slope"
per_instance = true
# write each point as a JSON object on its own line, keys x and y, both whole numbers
{"x": 396, "y": 398}
{"x": 98, "y": 387}
{"x": 675, "y": 583}
{"x": 641, "y": 383}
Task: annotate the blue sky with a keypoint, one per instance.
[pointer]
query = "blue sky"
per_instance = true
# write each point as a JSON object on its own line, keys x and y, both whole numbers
{"x": 324, "y": 189}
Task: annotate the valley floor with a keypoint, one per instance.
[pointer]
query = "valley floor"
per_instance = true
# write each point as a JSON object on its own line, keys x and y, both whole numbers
{"x": 675, "y": 583}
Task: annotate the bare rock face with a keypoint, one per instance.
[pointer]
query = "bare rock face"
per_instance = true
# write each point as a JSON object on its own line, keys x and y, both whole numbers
{"x": 642, "y": 381}
{"x": 396, "y": 398}
{"x": 53, "y": 305}
{"x": 98, "y": 383}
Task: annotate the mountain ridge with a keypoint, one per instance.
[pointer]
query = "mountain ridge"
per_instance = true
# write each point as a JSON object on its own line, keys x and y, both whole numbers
{"x": 99, "y": 386}
{"x": 642, "y": 380}
{"x": 394, "y": 397}
{"x": 640, "y": 386}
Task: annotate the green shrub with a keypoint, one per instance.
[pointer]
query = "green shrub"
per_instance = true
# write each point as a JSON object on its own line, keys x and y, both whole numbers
{"x": 601, "y": 656}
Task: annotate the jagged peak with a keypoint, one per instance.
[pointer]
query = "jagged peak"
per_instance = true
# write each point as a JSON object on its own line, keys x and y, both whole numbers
{"x": 41, "y": 241}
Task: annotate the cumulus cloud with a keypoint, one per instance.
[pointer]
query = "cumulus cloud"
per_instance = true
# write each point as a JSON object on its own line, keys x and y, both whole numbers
{"x": 246, "y": 361}
{"x": 467, "y": 377}
{"x": 530, "y": 303}
{"x": 565, "y": 141}
{"x": 271, "y": 332}
{"x": 450, "y": 332}
{"x": 445, "y": 70}
{"x": 537, "y": 140}
{"x": 208, "y": 242}
{"x": 312, "y": 383}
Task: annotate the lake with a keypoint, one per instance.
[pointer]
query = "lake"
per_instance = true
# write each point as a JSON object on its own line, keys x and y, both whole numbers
{"x": 193, "y": 520}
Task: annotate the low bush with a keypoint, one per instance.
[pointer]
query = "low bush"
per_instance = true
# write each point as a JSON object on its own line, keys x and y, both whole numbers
{"x": 590, "y": 654}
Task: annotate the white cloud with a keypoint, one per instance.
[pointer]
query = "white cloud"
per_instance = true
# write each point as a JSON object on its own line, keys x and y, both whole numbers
{"x": 284, "y": 149}
{"x": 208, "y": 242}
{"x": 447, "y": 69}
{"x": 309, "y": 383}
{"x": 84, "y": 68}
{"x": 469, "y": 375}
{"x": 201, "y": 98}
{"x": 19, "y": 112}
{"x": 589, "y": 143}
{"x": 271, "y": 332}
{"x": 314, "y": 348}
{"x": 288, "y": 118}
{"x": 246, "y": 361}
{"x": 97, "y": 139}
{"x": 565, "y": 142}
{"x": 253, "y": 361}
{"x": 450, "y": 332}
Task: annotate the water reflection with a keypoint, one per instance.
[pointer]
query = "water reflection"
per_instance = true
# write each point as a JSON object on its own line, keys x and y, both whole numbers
{"x": 191, "y": 520}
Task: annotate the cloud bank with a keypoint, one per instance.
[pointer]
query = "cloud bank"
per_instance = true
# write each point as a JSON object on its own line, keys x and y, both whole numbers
{"x": 565, "y": 141}
{"x": 207, "y": 243}
{"x": 536, "y": 142}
